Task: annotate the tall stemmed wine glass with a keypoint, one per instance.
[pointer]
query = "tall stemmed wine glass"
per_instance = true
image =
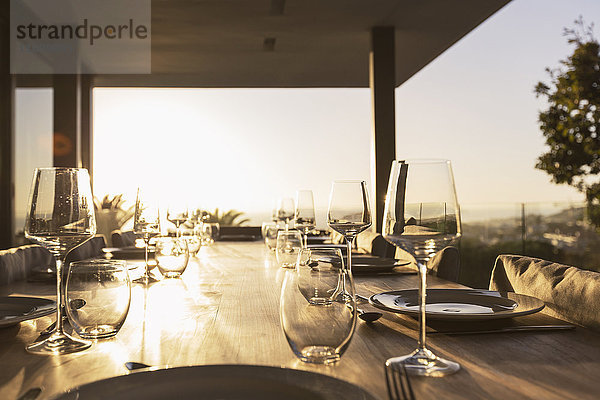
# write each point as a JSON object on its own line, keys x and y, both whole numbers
{"x": 304, "y": 217}
{"x": 178, "y": 215}
{"x": 60, "y": 217}
{"x": 349, "y": 211}
{"x": 422, "y": 217}
{"x": 285, "y": 211}
{"x": 146, "y": 224}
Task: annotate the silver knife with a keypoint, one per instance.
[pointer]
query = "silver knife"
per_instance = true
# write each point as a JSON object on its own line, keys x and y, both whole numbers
{"x": 520, "y": 328}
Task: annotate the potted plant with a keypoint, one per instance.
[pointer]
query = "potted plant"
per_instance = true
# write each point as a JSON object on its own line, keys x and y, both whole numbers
{"x": 111, "y": 215}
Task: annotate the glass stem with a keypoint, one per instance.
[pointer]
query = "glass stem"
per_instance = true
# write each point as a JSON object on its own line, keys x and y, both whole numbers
{"x": 147, "y": 242}
{"x": 305, "y": 237}
{"x": 422, "y": 302}
{"x": 60, "y": 260}
{"x": 349, "y": 242}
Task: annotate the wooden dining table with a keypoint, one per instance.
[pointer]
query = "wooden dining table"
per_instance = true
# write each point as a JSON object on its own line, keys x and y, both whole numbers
{"x": 225, "y": 310}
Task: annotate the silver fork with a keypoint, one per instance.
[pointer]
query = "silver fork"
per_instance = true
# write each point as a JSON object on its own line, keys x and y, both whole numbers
{"x": 398, "y": 382}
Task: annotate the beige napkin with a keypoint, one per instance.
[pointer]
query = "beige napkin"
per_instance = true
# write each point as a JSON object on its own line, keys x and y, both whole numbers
{"x": 570, "y": 293}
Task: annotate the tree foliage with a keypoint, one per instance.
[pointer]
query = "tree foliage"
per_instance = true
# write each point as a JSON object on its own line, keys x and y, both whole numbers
{"x": 571, "y": 123}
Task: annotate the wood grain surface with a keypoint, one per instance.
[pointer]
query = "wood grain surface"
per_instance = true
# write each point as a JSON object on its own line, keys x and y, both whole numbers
{"x": 225, "y": 310}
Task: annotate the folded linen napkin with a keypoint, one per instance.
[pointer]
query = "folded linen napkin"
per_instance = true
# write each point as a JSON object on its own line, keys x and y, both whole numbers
{"x": 445, "y": 264}
{"x": 570, "y": 293}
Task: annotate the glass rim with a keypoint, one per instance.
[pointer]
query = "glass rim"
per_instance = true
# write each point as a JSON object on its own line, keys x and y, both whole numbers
{"x": 324, "y": 248}
{"x": 98, "y": 262}
{"x": 422, "y": 161}
{"x": 349, "y": 181}
{"x": 289, "y": 232}
{"x": 60, "y": 169}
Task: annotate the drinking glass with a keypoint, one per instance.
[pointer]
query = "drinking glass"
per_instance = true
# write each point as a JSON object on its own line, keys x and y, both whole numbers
{"x": 178, "y": 215}
{"x": 349, "y": 211}
{"x": 269, "y": 232}
{"x": 317, "y": 317}
{"x": 172, "y": 256}
{"x": 304, "y": 217}
{"x": 285, "y": 211}
{"x": 289, "y": 244}
{"x": 210, "y": 233}
{"x": 422, "y": 217}
{"x": 146, "y": 224}
{"x": 198, "y": 217}
{"x": 98, "y": 296}
{"x": 60, "y": 217}
{"x": 194, "y": 243}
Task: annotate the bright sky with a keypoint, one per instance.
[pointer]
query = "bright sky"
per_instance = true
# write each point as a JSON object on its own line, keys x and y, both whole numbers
{"x": 244, "y": 148}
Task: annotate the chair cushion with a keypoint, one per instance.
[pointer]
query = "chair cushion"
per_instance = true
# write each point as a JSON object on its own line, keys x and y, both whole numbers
{"x": 90, "y": 249}
{"x": 570, "y": 293}
{"x": 16, "y": 263}
{"x": 123, "y": 239}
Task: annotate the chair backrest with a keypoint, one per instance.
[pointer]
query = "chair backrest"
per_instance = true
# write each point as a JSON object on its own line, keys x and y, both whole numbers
{"x": 445, "y": 264}
{"x": 123, "y": 239}
{"x": 17, "y": 263}
{"x": 570, "y": 293}
{"x": 90, "y": 249}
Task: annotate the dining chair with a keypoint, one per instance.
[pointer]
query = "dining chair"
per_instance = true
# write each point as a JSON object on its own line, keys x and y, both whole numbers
{"x": 90, "y": 249}
{"x": 570, "y": 293}
{"x": 18, "y": 263}
{"x": 445, "y": 264}
{"x": 123, "y": 238}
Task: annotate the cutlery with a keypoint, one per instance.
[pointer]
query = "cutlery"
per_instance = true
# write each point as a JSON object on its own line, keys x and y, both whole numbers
{"x": 31, "y": 394}
{"x": 362, "y": 298}
{"x": 398, "y": 382}
{"x": 132, "y": 365}
{"x": 521, "y": 328}
{"x": 369, "y": 316}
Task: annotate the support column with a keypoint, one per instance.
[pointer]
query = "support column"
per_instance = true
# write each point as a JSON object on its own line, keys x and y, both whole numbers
{"x": 67, "y": 120}
{"x": 6, "y": 133}
{"x": 86, "y": 123}
{"x": 382, "y": 81}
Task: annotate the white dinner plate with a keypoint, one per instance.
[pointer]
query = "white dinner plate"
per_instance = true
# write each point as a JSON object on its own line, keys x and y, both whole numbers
{"x": 14, "y": 309}
{"x": 223, "y": 382}
{"x": 459, "y": 304}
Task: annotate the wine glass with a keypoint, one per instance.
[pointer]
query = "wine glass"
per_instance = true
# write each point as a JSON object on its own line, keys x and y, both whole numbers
{"x": 60, "y": 217}
{"x": 349, "y": 211}
{"x": 304, "y": 217}
{"x": 146, "y": 224}
{"x": 285, "y": 211}
{"x": 178, "y": 215}
{"x": 422, "y": 217}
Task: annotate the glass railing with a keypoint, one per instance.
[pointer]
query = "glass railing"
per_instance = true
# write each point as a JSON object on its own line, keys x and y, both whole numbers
{"x": 552, "y": 231}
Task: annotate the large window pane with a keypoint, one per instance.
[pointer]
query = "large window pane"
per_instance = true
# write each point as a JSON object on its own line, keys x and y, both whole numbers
{"x": 230, "y": 148}
{"x": 33, "y": 143}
